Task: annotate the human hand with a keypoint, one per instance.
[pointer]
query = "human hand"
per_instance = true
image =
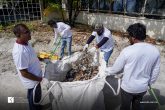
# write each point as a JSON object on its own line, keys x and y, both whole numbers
{"x": 62, "y": 33}
{"x": 102, "y": 72}
{"x": 85, "y": 47}
{"x": 106, "y": 71}
{"x": 44, "y": 81}
{"x": 119, "y": 75}
{"x": 96, "y": 47}
{"x": 40, "y": 79}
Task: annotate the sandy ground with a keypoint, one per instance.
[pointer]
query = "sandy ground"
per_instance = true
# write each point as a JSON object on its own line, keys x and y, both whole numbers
{"x": 10, "y": 85}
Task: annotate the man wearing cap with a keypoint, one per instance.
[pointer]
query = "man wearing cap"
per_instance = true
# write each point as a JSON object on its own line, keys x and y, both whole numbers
{"x": 104, "y": 41}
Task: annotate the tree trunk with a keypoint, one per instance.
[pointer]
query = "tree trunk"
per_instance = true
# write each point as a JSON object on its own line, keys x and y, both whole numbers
{"x": 77, "y": 10}
{"x": 70, "y": 8}
{"x": 62, "y": 13}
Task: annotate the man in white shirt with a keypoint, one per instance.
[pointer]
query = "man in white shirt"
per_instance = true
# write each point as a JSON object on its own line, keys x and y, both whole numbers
{"x": 27, "y": 64}
{"x": 104, "y": 41}
{"x": 66, "y": 35}
{"x": 140, "y": 63}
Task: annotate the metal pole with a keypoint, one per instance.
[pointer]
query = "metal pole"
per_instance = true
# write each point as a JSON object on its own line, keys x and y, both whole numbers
{"x": 13, "y": 7}
{"x": 32, "y": 11}
{"x": 124, "y": 6}
{"x": 98, "y": 6}
{"x": 143, "y": 9}
{"x": 110, "y": 6}
{"x": 28, "y": 9}
{"x": 88, "y": 6}
{"x": 8, "y": 14}
{"x": 3, "y": 13}
{"x": 41, "y": 9}
{"x": 24, "y": 16}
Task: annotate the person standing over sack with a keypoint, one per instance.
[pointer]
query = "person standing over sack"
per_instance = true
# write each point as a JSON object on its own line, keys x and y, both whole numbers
{"x": 104, "y": 41}
{"x": 66, "y": 36}
{"x": 27, "y": 64}
{"x": 140, "y": 64}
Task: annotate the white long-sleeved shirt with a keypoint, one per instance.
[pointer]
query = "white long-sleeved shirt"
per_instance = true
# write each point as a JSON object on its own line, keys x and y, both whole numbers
{"x": 62, "y": 29}
{"x": 140, "y": 64}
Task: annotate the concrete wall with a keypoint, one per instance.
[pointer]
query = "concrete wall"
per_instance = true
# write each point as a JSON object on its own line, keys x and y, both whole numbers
{"x": 155, "y": 28}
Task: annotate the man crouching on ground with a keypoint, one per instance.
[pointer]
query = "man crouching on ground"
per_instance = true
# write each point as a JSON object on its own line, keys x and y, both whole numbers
{"x": 27, "y": 64}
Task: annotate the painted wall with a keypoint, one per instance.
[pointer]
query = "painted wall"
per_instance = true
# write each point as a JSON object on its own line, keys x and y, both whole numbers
{"x": 155, "y": 28}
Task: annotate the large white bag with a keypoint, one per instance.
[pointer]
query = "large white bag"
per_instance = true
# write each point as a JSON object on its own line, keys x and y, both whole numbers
{"x": 57, "y": 71}
{"x": 78, "y": 95}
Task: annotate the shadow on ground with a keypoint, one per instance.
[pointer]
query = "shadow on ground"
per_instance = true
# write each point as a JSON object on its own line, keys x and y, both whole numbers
{"x": 112, "y": 102}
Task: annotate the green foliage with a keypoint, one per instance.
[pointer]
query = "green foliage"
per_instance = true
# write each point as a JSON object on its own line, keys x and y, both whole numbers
{"x": 76, "y": 3}
{"x": 9, "y": 27}
{"x": 1, "y": 28}
{"x": 30, "y": 26}
{"x": 51, "y": 8}
{"x": 54, "y": 6}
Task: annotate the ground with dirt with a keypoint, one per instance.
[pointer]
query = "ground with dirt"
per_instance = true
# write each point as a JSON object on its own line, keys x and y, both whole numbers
{"x": 42, "y": 37}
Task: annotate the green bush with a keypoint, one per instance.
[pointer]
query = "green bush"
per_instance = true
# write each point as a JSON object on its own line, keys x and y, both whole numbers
{"x": 1, "y": 28}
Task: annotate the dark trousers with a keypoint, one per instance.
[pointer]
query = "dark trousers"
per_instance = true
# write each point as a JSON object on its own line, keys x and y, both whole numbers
{"x": 131, "y": 99}
{"x": 37, "y": 98}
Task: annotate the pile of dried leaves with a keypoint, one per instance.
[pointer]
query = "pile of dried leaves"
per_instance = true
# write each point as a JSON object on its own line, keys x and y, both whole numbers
{"x": 82, "y": 70}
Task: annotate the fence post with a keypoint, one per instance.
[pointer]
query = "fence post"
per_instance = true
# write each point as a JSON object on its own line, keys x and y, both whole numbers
{"x": 13, "y": 7}
{"x": 124, "y": 6}
{"x": 41, "y": 9}
{"x": 144, "y": 7}
{"x": 88, "y": 6}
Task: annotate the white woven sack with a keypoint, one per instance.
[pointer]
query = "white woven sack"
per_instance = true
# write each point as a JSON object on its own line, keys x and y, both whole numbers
{"x": 57, "y": 71}
{"x": 78, "y": 95}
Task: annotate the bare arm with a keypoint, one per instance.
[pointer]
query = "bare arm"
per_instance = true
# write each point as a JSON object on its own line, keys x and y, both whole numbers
{"x": 30, "y": 76}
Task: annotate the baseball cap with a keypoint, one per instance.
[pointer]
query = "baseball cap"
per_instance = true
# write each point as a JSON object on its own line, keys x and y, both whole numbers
{"x": 98, "y": 26}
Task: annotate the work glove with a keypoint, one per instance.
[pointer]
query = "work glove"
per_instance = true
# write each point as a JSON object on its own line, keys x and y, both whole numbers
{"x": 85, "y": 47}
{"x": 95, "y": 49}
{"x": 106, "y": 71}
{"x": 119, "y": 75}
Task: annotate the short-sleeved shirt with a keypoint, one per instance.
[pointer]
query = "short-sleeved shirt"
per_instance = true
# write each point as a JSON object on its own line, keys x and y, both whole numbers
{"x": 109, "y": 45}
{"x": 25, "y": 58}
